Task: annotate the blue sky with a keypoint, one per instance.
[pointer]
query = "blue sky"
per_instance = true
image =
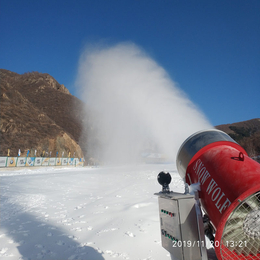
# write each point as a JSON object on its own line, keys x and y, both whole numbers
{"x": 210, "y": 48}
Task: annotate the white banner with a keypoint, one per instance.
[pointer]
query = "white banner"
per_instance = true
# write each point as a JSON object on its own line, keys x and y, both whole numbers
{"x": 21, "y": 161}
{"x": 52, "y": 161}
{"x": 3, "y": 161}
{"x": 38, "y": 161}
{"x": 76, "y": 161}
{"x": 45, "y": 161}
{"x": 64, "y": 161}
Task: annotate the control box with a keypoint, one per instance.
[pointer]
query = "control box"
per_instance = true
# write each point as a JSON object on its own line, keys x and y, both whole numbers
{"x": 179, "y": 226}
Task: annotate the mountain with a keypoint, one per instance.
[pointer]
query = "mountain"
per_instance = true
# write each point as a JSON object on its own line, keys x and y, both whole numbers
{"x": 38, "y": 113}
{"x": 247, "y": 134}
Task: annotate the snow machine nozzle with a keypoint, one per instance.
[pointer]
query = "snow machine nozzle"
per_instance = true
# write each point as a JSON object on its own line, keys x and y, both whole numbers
{"x": 229, "y": 191}
{"x": 224, "y": 184}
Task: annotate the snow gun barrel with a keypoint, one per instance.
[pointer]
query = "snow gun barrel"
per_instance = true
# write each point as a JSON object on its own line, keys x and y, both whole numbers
{"x": 229, "y": 191}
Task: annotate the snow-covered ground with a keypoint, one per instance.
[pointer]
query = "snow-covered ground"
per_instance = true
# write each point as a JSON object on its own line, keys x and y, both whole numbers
{"x": 82, "y": 213}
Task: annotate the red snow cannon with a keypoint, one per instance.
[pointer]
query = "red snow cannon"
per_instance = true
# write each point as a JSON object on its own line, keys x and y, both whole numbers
{"x": 229, "y": 191}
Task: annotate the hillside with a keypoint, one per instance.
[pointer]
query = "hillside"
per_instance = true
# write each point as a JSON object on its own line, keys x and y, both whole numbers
{"x": 246, "y": 133}
{"x": 36, "y": 112}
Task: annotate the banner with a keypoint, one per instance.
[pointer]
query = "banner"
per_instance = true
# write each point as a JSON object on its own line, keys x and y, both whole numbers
{"x": 52, "y": 161}
{"x": 71, "y": 161}
{"x": 75, "y": 162}
{"x": 30, "y": 161}
{"x": 3, "y": 161}
{"x": 45, "y": 161}
{"x": 11, "y": 161}
{"x": 80, "y": 162}
{"x": 64, "y": 161}
{"x": 38, "y": 161}
{"x": 21, "y": 161}
{"x": 58, "y": 161}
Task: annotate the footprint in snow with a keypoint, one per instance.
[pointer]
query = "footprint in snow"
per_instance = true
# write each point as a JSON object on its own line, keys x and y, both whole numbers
{"x": 77, "y": 229}
{"x": 3, "y": 251}
{"x": 39, "y": 246}
{"x": 73, "y": 237}
{"x": 90, "y": 243}
{"x": 115, "y": 254}
{"x": 60, "y": 243}
{"x": 141, "y": 205}
{"x": 78, "y": 207}
{"x": 80, "y": 222}
{"x": 130, "y": 234}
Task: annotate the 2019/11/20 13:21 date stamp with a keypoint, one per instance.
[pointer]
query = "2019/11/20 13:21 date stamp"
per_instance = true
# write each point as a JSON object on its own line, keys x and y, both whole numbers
{"x": 189, "y": 243}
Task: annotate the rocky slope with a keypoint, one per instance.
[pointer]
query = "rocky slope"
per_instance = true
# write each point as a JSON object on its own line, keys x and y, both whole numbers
{"x": 247, "y": 134}
{"x": 36, "y": 112}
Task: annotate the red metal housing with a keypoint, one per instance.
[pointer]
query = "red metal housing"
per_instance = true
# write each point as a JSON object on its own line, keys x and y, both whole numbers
{"x": 227, "y": 176}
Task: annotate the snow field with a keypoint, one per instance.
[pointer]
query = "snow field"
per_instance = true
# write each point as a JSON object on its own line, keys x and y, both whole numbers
{"x": 82, "y": 213}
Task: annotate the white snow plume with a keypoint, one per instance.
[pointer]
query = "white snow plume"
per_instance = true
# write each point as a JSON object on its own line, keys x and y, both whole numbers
{"x": 135, "y": 106}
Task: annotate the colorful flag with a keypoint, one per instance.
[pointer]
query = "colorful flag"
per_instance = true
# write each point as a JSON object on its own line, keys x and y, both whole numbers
{"x": 28, "y": 153}
{"x": 69, "y": 154}
{"x": 19, "y": 152}
{"x": 57, "y": 154}
{"x": 8, "y": 152}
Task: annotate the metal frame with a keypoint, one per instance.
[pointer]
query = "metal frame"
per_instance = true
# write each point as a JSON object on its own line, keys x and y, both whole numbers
{"x": 182, "y": 229}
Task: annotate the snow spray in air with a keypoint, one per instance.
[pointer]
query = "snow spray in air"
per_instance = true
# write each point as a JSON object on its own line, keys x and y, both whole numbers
{"x": 134, "y": 106}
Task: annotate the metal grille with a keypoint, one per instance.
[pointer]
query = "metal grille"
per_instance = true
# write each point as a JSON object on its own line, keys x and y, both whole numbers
{"x": 241, "y": 235}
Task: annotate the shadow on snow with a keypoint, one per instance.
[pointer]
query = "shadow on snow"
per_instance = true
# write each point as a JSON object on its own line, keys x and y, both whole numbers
{"x": 38, "y": 239}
